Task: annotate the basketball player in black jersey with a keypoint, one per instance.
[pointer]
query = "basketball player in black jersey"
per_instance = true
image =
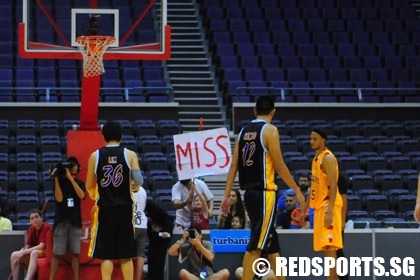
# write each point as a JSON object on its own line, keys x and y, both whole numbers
{"x": 108, "y": 182}
{"x": 257, "y": 157}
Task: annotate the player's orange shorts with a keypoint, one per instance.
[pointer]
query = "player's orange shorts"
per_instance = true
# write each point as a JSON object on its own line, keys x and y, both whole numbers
{"x": 327, "y": 236}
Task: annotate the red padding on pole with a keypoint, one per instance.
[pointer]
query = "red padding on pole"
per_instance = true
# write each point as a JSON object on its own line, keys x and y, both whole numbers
{"x": 90, "y": 103}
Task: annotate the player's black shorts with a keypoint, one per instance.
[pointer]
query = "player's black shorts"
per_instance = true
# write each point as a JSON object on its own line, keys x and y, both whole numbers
{"x": 114, "y": 234}
{"x": 261, "y": 208}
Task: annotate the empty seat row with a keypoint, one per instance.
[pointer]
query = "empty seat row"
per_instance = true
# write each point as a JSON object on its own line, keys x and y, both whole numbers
{"x": 333, "y": 75}
{"x": 73, "y": 74}
{"x": 356, "y": 92}
{"x": 305, "y": 47}
{"x": 43, "y": 161}
{"x": 52, "y": 65}
{"x": 372, "y": 200}
{"x": 267, "y": 58}
{"x": 349, "y": 130}
{"x": 309, "y": 4}
{"x": 35, "y": 174}
{"x": 383, "y": 183}
{"x": 53, "y": 130}
{"x": 330, "y": 13}
{"x": 31, "y": 148}
{"x": 387, "y": 26}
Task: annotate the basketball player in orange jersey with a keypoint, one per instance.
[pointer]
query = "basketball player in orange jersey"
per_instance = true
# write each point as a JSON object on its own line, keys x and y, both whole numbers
{"x": 325, "y": 199}
{"x": 417, "y": 208}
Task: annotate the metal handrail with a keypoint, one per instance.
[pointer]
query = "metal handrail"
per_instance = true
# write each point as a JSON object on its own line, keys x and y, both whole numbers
{"x": 282, "y": 91}
{"x": 169, "y": 91}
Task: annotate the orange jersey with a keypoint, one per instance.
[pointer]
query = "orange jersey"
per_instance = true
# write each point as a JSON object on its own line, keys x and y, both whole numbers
{"x": 319, "y": 185}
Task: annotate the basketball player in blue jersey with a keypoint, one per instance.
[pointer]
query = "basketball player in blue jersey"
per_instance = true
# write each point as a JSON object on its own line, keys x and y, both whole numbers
{"x": 257, "y": 157}
{"x": 108, "y": 182}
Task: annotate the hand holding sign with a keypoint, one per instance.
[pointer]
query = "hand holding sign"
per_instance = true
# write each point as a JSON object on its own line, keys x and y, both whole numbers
{"x": 202, "y": 153}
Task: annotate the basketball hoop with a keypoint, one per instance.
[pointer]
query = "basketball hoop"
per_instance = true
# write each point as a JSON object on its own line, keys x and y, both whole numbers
{"x": 93, "y": 49}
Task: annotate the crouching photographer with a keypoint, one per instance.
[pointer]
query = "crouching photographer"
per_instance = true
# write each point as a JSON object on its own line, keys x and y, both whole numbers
{"x": 199, "y": 255}
{"x": 68, "y": 192}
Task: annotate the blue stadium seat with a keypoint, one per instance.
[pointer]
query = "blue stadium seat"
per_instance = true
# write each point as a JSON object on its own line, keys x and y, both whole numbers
{"x": 222, "y": 37}
{"x": 375, "y": 203}
{"x": 373, "y": 163}
{"x": 253, "y": 13}
{"x": 215, "y": 13}
{"x": 167, "y": 127}
{"x": 253, "y": 74}
{"x": 298, "y": 162}
{"x": 357, "y": 213}
{"x": 383, "y": 145}
{"x": 329, "y": 12}
{"x": 338, "y": 26}
{"x": 408, "y": 145}
{"x": 359, "y": 182}
{"x": 155, "y": 163}
{"x": 405, "y": 203}
{"x": 361, "y": 145}
{"x": 289, "y": 145}
{"x": 389, "y": 182}
{"x": 349, "y": 13}
{"x": 354, "y": 203}
{"x": 237, "y": 24}
{"x": 348, "y": 162}
{"x": 165, "y": 202}
{"x": 161, "y": 182}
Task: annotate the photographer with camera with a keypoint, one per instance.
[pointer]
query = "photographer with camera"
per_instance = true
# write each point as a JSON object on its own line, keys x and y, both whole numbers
{"x": 68, "y": 192}
{"x": 199, "y": 255}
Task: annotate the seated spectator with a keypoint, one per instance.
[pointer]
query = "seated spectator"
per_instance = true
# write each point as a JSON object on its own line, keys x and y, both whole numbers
{"x": 284, "y": 217}
{"x": 295, "y": 222}
{"x": 304, "y": 183}
{"x": 281, "y": 202}
{"x": 199, "y": 255}
{"x": 5, "y": 223}
{"x": 237, "y": 222}
{"x": 199, "y": 210}
{"x": 236, "y": 208}
{"x": 34, "y": 247}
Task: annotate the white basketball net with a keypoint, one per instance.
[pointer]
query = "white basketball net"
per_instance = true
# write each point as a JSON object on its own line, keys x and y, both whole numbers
{"x": 93, "y": 49}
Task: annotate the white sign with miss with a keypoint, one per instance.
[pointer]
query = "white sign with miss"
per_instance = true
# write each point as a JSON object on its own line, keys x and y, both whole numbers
{"x": 202, "y": 153}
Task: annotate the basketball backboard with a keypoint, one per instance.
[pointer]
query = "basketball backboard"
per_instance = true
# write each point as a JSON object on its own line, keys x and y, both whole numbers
{"x": 49, "y": 28}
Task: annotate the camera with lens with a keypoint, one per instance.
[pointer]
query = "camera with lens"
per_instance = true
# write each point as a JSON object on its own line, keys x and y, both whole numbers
{"x": 59, "y": 169}
{"x": 191, "y": 233}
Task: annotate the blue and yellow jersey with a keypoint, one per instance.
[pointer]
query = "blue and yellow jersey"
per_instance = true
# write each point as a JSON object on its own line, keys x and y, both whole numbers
{"x": 256, "y": 170}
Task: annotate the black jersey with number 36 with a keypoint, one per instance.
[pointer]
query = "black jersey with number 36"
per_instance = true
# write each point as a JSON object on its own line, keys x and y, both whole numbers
{"x": 113, "y": 177}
